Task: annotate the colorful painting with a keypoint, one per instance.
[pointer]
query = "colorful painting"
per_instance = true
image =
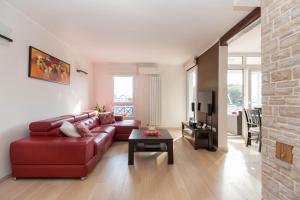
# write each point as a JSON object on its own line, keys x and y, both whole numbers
{"x": 45, "y": 67}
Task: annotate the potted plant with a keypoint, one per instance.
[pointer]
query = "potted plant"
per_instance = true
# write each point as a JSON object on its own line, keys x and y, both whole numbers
{"x": 100, "y": 108}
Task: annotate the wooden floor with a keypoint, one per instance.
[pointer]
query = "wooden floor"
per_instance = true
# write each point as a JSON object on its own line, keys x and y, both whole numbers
{"x": 195, "y": 175}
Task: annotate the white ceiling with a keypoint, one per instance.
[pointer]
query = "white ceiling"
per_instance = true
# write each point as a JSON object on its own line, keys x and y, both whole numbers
{"x": 249, "y": 42}
{"x": 139, "y": 31}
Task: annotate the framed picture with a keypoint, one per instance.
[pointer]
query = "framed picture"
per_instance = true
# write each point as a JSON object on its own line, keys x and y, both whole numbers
{"x": 46, "y": 67}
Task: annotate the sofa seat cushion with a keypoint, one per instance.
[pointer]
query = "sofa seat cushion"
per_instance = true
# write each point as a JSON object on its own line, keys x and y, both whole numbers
{"x": 103, "y": 128}
{"x": 40, "y": 150}
{"x": 133, "y": 123}
{"x": 99, "y": 142}
{"x": 122, "y": 137}
{"x": 126, "y": 126}
{"x": 110, "y": 130}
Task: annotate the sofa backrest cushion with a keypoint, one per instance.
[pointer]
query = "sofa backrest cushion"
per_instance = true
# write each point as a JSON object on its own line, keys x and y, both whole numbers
{"x": 50, "y": 127}
{"x": 90, "y": 123}
{"x": 52, "y": 132}
{"x": 92, "y": 113}
{"x": 48, "y": 124}
{"x": 80, "y": 117}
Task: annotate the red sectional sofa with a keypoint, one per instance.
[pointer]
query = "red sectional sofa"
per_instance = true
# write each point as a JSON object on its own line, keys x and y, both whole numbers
{"x": 48, "y": 153}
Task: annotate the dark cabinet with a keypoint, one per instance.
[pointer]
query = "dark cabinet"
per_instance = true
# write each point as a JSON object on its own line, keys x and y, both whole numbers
{"x": 198, "y": 137}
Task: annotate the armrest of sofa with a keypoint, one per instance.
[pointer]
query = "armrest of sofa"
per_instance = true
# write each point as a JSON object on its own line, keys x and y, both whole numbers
{"x": 52, "y": 150}
{"x": 119, "y": 118}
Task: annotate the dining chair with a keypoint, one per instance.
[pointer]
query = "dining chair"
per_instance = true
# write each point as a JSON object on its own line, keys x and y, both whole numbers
{"x": 253, "y": 118}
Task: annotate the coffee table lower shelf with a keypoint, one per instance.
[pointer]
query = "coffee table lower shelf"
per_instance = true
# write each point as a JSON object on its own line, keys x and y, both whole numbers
{"x": 142, "y": 147}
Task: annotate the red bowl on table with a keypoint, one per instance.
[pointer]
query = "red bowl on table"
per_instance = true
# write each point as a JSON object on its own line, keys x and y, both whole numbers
{"x": 151, "y": 133}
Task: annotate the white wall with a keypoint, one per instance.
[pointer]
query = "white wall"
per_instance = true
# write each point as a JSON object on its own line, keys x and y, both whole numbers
{"x": 173, "y": 85}
{"x": 103, "y": 87}
{"x": 23, "y": 99}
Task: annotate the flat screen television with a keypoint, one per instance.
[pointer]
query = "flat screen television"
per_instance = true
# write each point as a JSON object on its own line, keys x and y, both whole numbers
{"x": 205, "y": 99}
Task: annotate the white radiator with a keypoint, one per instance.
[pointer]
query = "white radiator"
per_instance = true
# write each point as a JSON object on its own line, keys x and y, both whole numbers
{"x": 155, "y": 101}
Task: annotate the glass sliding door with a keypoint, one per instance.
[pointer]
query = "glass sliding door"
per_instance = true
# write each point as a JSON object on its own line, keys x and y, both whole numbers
{"x": 235, "y": 88}
{"x": 191, "y": 91}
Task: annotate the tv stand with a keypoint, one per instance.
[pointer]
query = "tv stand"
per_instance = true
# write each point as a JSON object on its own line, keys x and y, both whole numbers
{"x": 196, "y": 136}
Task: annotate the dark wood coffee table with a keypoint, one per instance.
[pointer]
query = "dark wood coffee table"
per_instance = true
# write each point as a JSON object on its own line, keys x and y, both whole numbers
{"x": 138, "y": 142}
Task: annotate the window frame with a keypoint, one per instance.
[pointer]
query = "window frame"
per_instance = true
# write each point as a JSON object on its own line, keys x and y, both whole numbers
{"x": 252, "y": 56}
{"x": 132, "y": 103}
{"x": 235, "y": 56}
{"x": 250, "y": 103}
{"x": 247, "y": 68}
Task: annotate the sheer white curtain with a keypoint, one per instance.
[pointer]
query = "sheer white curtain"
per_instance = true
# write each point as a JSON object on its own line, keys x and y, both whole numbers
{"x": 191, "y": 91}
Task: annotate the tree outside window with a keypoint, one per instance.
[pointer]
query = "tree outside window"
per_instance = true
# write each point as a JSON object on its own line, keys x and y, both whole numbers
{"x": 235, "y": 90}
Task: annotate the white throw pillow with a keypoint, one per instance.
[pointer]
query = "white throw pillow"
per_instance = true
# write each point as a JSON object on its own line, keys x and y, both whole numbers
{"x": 69, "y": 129}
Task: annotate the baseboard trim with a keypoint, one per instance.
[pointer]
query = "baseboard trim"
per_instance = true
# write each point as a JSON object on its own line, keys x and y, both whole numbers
{"x": 4, "y": 178}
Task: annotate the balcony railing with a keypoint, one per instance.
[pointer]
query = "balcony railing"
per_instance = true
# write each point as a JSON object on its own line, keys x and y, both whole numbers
{"x": 124, "y": 110}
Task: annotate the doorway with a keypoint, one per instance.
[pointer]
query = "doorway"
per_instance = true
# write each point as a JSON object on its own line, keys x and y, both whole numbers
{"x": 244, "y": 82}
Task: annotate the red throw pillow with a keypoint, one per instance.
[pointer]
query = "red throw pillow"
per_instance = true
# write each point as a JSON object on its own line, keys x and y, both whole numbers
{"x": 83, "y": 130}
{"x": 111, "y": 118}
{"x": 106, "y": 118}
{"x": 118, "y": 118}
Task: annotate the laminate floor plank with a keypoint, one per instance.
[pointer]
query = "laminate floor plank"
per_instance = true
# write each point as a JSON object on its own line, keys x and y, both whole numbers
{"x": 196, "y": 174}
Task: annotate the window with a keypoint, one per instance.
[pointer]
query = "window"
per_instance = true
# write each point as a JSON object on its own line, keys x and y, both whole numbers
{"x": 256, "y": 86}
{"x": 123, "y": 96}
{"x": 235, "y": 90}
{"x": 253, "y": 60}
{"x": 235, "y": 60}
{"x": 250, "y": 73}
